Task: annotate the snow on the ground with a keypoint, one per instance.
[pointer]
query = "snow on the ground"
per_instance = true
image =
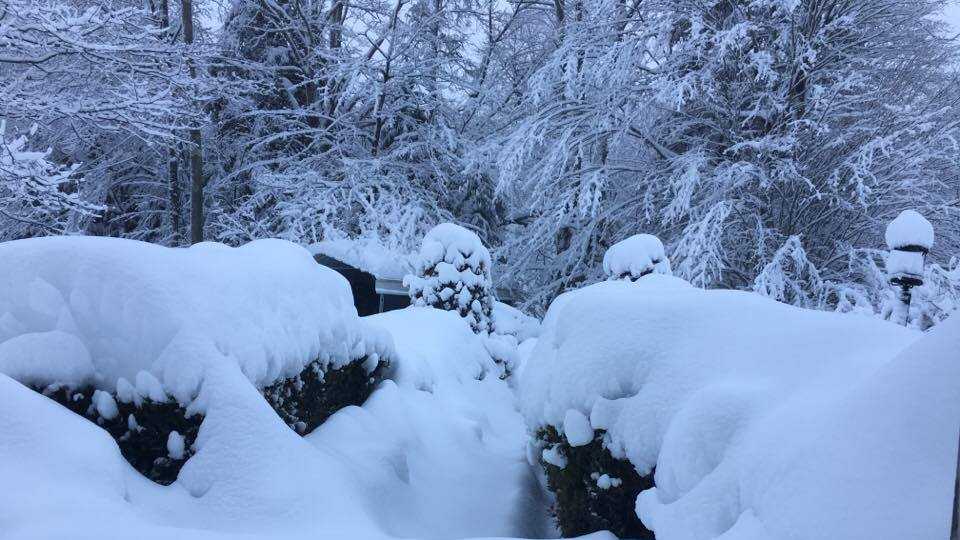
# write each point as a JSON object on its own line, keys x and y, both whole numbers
{"x": 635, "y": 257}
{"x": 440, "y": 452}
{"x": 764, "y": 421}
{"x": 909, "y": 228}
{"x": 129, "y": 307}
{"x": 508, "y": 320}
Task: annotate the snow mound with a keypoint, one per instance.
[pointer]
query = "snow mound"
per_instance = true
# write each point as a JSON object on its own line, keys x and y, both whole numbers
{"x": 724, "y": 392}
{"x": 138, "y": 311}
{"x": 635, "y": 257}
{"x": 909, "y": 229}
{"x": 434, "y": 346}
{"x": 508, "y": 320}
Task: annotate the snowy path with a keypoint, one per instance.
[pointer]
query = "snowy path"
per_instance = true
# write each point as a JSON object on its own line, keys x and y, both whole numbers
{"x": 441, "y": 454}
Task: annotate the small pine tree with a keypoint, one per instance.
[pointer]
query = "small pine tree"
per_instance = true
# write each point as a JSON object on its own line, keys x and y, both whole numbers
{"x": 453, "y": 274}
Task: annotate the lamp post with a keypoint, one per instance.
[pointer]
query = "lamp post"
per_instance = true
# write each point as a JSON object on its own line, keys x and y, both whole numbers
{"x": 909, "y": 238}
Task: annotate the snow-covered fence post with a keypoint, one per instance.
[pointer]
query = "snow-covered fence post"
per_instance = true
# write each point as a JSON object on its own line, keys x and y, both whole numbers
{"x": 909, "y": 237}
{"x": 453, "y": 274}
{"x": 635, "y": 257}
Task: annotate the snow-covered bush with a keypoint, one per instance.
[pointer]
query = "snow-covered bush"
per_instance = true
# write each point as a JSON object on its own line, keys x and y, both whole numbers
{"x": 155, "y": 433}
{"x": 307, "y": 400}
{"x": 594, "y": 491}
{"x": 635, "y": 257}
{"x": 80, "y": 317}
{"x": 453, "y": 273}
{"x": 733, "y": 402}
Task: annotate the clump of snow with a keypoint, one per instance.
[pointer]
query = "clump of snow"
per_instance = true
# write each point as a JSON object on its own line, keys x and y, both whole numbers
{"x": 727, "y": 392}
{"x": 149, "y": 386}
{"x": 453, "y": 273}
{"x": 368, "y": 254}
{"x": 577, "y": 428}
{"x": 909, "y": 229}
{"x": 176, "y": 447}
{"x": 605, "y": 481}
{"x": 105, "y": 404}
{"x": 554, "y": 456}
{"x": 161, "y": 316}
{"x": 635, "y": 257}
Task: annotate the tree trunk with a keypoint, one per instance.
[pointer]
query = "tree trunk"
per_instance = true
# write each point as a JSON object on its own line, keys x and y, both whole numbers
{"x": 175, "y": 216}
{"x": 196, "y": 147}
{"x": 173, "y": 163}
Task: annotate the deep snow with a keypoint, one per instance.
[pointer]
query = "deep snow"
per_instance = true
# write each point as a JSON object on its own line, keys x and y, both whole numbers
{"x": 764, "y": 421}
{"x": 436, "y": 454}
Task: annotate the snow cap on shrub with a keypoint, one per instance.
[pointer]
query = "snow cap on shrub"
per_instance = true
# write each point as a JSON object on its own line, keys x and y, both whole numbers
{"x": 635, "y": 257}
{"x": 453, "y": 273}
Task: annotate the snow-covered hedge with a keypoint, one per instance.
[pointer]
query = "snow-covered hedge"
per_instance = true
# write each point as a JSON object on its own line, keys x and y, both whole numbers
{"x": 453, "y": 273}
{"x": 116, "y": 329}
{"x": 593, "y": 490}
{"x": 155, "y": 433}
{"x": 746, "y": 411}
{"x": 635, "y": 257}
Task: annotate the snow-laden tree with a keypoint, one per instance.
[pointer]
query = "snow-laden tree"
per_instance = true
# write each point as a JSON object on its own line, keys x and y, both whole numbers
{"x": 36, "y": 195}
{"x": 106, "y": 84}
{"x": 632, "y": 258}
{"x": 345, "y": 125}
{"x": 453, "y": 274}
{"x": 761, "y": 139}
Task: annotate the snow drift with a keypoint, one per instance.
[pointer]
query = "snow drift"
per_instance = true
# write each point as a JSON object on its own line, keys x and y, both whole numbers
{"x": 763, "y": 421}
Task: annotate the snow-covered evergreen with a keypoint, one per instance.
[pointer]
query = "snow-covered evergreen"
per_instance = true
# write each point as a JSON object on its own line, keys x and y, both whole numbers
{"x": 453, "y": 274}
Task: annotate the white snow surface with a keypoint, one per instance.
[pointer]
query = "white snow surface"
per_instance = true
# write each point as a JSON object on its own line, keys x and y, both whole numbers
{"x": 635, "y": 257}
{"x": 440, "y": 453}
{"x": 143, "y": 312}
{"x": 764, "y": 421}
{"x": 39, "y": 358}
{"x": 508, "y": 320}
{"x": 909, "y": 229}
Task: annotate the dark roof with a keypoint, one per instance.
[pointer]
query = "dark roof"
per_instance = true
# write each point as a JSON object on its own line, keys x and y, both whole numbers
{"x": 330, "y": 262}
